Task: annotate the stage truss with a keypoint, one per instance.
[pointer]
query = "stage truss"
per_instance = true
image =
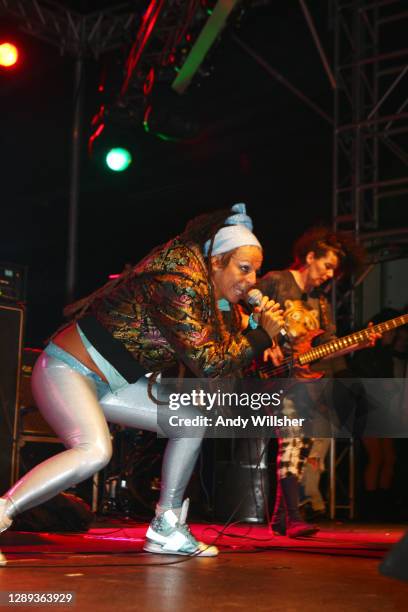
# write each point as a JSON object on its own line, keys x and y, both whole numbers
{"x": 370, "y": 109}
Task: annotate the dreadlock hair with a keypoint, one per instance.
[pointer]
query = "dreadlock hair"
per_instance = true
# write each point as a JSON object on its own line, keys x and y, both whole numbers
{"x": 321, "y": 239}
{"x": 204, "y": 227}
{"x": 198, "y": 231}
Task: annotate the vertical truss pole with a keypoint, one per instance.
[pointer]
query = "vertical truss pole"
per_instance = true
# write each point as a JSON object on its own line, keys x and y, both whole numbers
{"x": 74, "y": 190}
{"x": 376, "y": 160}
{"x": 332, "y": 479}
{"x": 352, "y": 484}
{"x": 335, "y": 213}
{"x": 346, "y": 208}
{"x": 335, "y": 200}
{"x": 357, "y": 99}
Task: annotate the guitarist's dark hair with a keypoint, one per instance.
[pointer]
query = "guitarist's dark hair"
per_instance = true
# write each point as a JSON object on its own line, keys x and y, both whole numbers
{"x": 321, "y": 239}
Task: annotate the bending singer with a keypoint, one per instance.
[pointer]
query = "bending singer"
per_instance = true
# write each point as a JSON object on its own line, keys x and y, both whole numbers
{"x": 162, "y": 311}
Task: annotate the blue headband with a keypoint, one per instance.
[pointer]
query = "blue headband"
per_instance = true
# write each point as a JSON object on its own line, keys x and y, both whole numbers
{"x": 238, "y": 233}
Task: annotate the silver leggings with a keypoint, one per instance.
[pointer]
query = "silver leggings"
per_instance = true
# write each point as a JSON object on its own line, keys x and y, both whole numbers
{"x": 77, "y": 405}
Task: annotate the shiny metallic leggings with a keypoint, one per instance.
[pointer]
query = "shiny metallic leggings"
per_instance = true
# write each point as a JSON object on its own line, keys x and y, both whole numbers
{"x": 77, "y": 406}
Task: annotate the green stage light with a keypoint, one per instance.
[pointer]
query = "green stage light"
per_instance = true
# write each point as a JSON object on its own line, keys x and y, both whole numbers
{"x": 118, "y": 159}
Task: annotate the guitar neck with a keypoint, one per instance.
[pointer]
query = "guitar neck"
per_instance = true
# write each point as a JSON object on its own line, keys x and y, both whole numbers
{"x": 339, "y": 344}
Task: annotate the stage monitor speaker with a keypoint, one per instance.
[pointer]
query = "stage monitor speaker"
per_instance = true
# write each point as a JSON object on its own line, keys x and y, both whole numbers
{"x": 395, "y": 563}
{"x": 62, "y": 514}
{"x": 242, "y": 485}
{"x": 11, "y": 335}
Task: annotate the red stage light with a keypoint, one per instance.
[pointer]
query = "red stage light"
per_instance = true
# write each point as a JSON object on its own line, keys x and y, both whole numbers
{"x": 8, "y": 55}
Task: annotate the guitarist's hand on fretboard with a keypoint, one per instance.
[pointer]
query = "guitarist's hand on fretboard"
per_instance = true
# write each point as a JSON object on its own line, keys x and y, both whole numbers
{"x": 369, "y": 342}
{"x": 374, "y": 336}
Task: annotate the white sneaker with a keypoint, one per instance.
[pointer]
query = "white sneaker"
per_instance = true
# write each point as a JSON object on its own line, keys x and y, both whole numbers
{"x": 5, "y": 521}
{"x": 170, "y": 535}
{"x": 3, "y": 559}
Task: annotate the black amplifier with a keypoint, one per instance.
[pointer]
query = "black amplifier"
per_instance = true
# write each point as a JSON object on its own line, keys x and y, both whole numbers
{"x": 12, "y": 282}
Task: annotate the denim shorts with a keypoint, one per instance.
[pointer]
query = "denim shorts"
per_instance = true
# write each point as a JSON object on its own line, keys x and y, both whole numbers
{"x": 102, "y": 388}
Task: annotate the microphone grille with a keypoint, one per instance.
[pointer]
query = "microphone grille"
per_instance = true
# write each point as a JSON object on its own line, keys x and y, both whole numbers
{"x": 254, "y": 297}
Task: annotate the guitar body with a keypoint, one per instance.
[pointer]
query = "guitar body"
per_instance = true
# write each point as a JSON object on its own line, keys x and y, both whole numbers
{"x": 302, "y": 345}
{"x": 265, "y": 370}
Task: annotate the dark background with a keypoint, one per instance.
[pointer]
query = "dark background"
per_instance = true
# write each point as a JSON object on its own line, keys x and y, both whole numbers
{"x": 256, "y": 143}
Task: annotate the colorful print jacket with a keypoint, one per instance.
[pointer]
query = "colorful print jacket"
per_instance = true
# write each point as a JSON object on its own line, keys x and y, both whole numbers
{"x": 162, "y": 313}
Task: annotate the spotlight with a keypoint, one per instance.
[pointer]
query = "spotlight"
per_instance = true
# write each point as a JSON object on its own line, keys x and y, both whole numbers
{"x": 8, "y": 55}
{"x": 118, "y": 159}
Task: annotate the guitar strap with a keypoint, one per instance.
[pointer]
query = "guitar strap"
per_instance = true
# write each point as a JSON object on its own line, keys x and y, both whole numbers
{"x": 324, "y": 314}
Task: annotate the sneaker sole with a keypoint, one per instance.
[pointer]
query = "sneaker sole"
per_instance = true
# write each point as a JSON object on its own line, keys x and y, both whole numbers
{"x": 6, "y": 524}
{"x": 158, "y": 549}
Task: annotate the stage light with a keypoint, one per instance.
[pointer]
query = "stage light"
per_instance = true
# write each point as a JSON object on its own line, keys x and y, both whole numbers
{"x": 118, "y": 159}
{"x": 208, "y": 35}
{"x": 8, "y": 55}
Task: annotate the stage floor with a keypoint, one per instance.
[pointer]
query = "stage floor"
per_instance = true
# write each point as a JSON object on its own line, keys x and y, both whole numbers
{"x": 106, "y": 568}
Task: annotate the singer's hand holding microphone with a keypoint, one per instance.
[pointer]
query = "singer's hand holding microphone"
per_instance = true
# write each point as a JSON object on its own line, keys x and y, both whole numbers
{"x": 266, "y": 312}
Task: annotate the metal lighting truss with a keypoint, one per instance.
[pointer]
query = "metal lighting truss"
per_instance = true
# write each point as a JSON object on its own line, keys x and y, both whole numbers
{"x": 370, "y": 161}
{"x": 371, "y": 119}
{"x": 71, "y": 32}
{"x": 152, "y": 31}
{"x": 80, "y": 36}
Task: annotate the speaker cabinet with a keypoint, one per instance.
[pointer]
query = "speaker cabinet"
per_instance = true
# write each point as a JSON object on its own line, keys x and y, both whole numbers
{"x": 242, "y": 487}
{"x": 395, "y": 563}
{"x": 11, "y": 341}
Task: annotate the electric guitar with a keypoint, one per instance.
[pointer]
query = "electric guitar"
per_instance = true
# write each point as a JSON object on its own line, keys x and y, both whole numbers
{"x": 304, "y": 353}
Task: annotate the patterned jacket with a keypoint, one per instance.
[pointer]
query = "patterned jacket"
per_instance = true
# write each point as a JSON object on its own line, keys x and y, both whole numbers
{"x": 162, "y": 313}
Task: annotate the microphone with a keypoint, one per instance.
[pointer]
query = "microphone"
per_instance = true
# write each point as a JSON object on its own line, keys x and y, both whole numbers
{"x": 254, "y": 298}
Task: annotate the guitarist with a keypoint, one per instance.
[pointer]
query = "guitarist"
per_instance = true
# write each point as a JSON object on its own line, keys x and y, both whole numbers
{"x": 319, "y": 254}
